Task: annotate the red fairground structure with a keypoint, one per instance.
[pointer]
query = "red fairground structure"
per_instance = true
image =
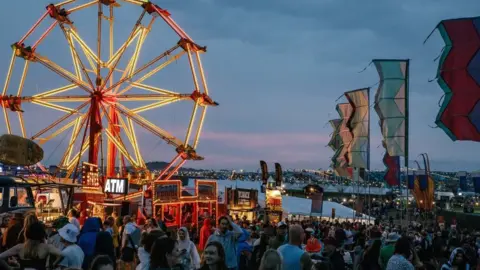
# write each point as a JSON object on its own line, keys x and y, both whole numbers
{"x": 179, "y": 208}
{"x": 104, "y": 90}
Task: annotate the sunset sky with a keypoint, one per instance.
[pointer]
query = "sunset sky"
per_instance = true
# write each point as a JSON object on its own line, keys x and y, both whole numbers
{"x": 277, "y": 68}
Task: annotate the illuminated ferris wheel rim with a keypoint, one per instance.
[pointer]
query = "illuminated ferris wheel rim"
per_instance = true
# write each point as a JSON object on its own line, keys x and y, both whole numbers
{"x": 103, "y": 94}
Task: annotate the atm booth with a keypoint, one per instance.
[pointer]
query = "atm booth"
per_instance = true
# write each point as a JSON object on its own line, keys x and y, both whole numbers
{"x": 178, "y": 208}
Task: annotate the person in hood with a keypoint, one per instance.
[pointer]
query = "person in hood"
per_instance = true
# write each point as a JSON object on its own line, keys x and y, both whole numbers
{"x": 458, "y": 261}
{"x": 244, "y": 250}
{"x": 87, "y": 239}
{"x": 190, "y": 257}
{"x": 205, "y": 233}
{"x": 146, "y": 246}
{"x": 228, "y": 239}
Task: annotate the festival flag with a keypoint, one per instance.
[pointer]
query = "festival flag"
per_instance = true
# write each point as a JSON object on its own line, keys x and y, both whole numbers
{"x": 459, "y": 77}
{"x": 263, "y": 167}
{"x": 476, "y": 181}
{"x": 278, "y": 175}
{"x": 359, "y": 126}
{"x": 391, "y": 104}
{"x": 339, "y": 160}
{"x": 392, "y": 175}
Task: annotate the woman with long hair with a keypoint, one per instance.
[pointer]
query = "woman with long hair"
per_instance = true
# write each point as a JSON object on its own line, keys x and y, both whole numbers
{"x": 29, "y": 219}
{"x": 214, "y": 257}
{"x": 33, "y": 253}
{"x": 259, "y": 248}
{"x": 190, "y": 257}
{"x": 371, "y": 255}
{"x": 401, "y": 256}
{"x": 165, "y": 255}
{"x": 146, "y": 244}
{"x": 104, "y": 246}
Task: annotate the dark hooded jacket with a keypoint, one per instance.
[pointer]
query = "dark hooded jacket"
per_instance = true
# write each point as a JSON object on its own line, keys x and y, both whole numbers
{"x": 87, "y": 239}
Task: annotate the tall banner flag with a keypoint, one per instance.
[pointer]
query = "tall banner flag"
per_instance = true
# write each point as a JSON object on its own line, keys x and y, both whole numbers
{"x": 476, "y": 181}
{"x": 459, "y": 77}
{"x": 264, "y": 168}
{"x": 335, "y": 140}
{"x": 278, "y": 175}
{"x": 359, "y": 126}
{"x": 340, "y": 161}
{"x": 391, "y": 104}
{"x": 392, "y": 175}
{"x": 462, "y": 179}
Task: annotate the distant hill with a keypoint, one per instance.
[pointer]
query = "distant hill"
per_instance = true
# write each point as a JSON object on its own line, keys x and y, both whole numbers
{"x": 160, "y": 165}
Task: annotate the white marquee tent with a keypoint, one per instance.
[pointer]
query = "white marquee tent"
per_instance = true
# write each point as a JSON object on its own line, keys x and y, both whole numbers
{"x": 291, "y": 205}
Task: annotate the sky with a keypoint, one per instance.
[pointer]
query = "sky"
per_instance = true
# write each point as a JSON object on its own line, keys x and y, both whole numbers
{"x": 277, "y": 69}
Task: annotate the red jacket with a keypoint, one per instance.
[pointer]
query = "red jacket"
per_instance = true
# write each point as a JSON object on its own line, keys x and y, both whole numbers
{"x": 205, "y": 233}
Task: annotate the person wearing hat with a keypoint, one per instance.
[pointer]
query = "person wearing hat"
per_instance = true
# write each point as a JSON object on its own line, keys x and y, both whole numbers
{"x": 388, "y": 249}
{"x": 313, "y": 245}
{"x": 281, "y": 237}
{"x": 72, "y": 254}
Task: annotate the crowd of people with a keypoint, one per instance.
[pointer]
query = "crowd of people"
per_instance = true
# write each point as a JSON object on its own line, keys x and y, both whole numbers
{"x": 114, "y": 242}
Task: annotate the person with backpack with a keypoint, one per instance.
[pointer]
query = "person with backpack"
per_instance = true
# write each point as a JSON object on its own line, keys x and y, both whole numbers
{"x": 130, "y": 242}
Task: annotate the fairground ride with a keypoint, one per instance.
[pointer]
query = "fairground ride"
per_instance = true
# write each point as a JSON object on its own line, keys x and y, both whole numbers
{"x": 100, "y": 84}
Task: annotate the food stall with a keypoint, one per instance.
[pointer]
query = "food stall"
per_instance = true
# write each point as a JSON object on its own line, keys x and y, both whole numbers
{"x": 242, "y": 202}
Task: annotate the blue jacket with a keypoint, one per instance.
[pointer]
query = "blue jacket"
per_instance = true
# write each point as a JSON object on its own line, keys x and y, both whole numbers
{"x": 229, "y": 242}
{"x": 242, "y": 244}
{"x": 88, "y": 235}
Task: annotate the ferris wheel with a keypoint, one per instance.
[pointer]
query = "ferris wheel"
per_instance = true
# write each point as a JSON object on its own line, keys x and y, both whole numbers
{"x": 99, "y": 84}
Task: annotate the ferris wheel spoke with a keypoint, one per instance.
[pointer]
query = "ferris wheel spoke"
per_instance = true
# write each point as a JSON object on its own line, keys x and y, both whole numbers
{"x": 76, "y": 58}
{"x": 53, "y": 106}
{"x": 154, "y": 89}
{"x": 151, "y": 73}
{"x": 59, "y": 131}
{"x": 55, "y": 91}
{"x": 170, "y": 139}
{"x": 92, "y": 58}
{"x": 99, "y": 37}
{"x": 79, "y": 123}
{"x": 58, "y": 121}
{"x": 126, "y": 44}
{"x": 155, "y": 105}
{"x": 62, "y": 72}
{"x": 137, "y": 24}
{"x": 117, "y": 141}
{"x": 130, "y": 132}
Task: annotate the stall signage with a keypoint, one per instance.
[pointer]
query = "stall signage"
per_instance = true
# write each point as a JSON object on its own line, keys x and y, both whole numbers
{"x": 116, "y": 186}
{"x": 90, "y": 176}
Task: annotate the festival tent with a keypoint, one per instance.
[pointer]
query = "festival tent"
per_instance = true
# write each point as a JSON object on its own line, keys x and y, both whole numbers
{"x": 291, "y": 205}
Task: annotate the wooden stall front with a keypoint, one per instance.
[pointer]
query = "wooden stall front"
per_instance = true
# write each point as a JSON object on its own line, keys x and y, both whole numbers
{"x": 181, "y": 209}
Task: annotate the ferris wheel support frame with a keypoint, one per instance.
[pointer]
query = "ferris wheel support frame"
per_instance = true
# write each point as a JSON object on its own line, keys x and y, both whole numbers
{"x": 103, "y": 91}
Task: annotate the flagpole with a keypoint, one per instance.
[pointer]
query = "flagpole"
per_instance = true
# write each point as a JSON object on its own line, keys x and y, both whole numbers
{"x": 407, "y": 88}
{"x": 368, "y": 159}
